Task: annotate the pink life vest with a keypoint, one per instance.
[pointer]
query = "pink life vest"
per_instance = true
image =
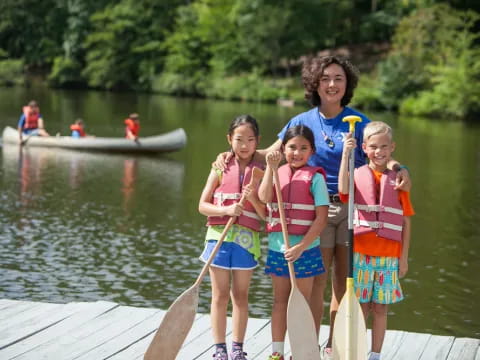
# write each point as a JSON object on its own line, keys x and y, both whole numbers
{"x": 384, "y": 216}
{"x": 298, "y": 200}
{"x": 230, "y": 191}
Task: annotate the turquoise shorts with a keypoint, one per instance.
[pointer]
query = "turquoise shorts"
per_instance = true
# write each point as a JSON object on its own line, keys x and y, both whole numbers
{"x": 230, "y": 256}
{"x": 307, "y": 265}
{"x": 376, "y": 279}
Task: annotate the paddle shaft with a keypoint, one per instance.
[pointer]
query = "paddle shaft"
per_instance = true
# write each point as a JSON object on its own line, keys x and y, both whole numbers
{"x": 283, "y": 221}
{"x": 351, "y": 189}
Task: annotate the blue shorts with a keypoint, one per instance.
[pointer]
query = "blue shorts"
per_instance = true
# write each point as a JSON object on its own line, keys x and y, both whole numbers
{"x": 230, "y": 256}
{"x": 307, "y": 265}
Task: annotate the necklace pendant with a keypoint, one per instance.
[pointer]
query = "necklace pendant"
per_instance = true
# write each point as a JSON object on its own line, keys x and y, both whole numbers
{"x": 329, "y": 142}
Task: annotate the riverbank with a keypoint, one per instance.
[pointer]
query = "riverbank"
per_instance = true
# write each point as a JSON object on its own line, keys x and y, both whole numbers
{"x": 106, "y": 330}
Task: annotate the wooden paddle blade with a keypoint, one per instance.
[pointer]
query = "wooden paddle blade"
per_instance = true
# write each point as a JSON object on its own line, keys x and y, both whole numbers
{"x": 174, "y": 327}
{"x": 350, "y": 332}
{"x": 301, "y": 328}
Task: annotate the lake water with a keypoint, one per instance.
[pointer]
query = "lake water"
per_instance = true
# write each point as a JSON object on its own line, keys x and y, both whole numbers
{"x": 83, "y": 227}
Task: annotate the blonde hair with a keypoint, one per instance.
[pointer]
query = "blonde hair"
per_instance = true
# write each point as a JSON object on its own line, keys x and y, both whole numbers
{"x": 376, "y": 128}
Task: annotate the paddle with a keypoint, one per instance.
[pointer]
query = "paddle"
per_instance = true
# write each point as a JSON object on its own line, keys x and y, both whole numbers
{"x": 349, "y": 332}
{"x": 300, "y": 323}
{"x": 179, "y": 317}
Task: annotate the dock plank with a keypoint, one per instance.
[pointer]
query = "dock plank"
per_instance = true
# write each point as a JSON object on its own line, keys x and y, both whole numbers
{"x": 464, "y": 349}
{"x": 30, "y": 322}
{"x": 137, "y": 350}
{"x": 412, "y": 346}
{"x": 124, "y": 340}
{"x": 86, "y": 312}
{"x": 437, "y": 348}
{"x": 89, "y": 335}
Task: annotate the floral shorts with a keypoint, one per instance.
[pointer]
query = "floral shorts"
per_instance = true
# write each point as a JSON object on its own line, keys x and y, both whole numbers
{"x": 376, "y": 279}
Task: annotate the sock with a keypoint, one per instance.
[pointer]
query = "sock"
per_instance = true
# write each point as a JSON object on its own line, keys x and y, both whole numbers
{"x": 237, "y": 346}
{"x": 374, "y": 356}
{"x": 278, "y": 347}
{"x": 220, "y": 347}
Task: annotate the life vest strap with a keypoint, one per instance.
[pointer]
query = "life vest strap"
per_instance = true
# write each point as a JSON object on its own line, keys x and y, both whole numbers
{"x": 290, "y": 206}
{"x": 379, "y": 208}
{"x": 272, "y": 221}
{"x": 251, "y": 214}
{"x": 377, "y": 225}
{"x": 227, "y": 196}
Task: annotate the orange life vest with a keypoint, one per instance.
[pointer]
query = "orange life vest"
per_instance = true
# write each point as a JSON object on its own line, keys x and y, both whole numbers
{"x": 133, "y": 126}
{"x": 79, "y": 128}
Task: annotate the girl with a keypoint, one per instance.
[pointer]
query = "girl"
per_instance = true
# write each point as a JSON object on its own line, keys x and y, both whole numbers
{"x": 306, "y": 201}
{"x": 238, "y": 255}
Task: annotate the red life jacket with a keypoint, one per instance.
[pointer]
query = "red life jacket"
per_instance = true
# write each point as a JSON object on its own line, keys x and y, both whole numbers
{"x": 298, "y": 201}
{"x": 133, "y": 126}
{"x": 385, "y": 215}
{"x": 230, "y": 191}
{"x": 31, "y": 118}
{"x": 79, "y": 128}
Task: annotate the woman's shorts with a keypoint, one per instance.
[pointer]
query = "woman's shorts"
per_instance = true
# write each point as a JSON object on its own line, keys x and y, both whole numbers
{"x": 307, "y": 265}
{"x": 376, "y": 279}
{"x": 230, "y": 256}
{"x": 336, "y": 231}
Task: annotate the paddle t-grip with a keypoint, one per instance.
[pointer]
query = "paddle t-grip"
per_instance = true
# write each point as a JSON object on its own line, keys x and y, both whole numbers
{"x": 352, "y": 119}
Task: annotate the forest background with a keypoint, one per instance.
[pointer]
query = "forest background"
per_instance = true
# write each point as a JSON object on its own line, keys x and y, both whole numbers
{"x": 418, "y": 57}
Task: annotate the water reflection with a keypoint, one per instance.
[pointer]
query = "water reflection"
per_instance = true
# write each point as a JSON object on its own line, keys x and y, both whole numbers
{"x": 80, "y": 223}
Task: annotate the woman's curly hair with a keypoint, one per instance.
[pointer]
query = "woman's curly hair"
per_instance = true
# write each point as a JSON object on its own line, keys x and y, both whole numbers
{"x": 312, "y": 71}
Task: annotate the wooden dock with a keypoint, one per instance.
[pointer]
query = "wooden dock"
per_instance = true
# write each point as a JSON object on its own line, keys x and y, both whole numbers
{"x": 105, "y": 330}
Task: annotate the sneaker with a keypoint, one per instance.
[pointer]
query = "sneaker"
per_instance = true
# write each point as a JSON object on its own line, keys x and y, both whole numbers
{"x": 275, "y": 356}
{"x": 220, "y": 354}
{"x": 238, "y": 355}
{"x": 326, "y": 354}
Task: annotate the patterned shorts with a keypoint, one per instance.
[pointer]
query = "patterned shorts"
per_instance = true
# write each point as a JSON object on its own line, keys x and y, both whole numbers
{"x": 376, "y": 279}
{"x": 307, "y": 265}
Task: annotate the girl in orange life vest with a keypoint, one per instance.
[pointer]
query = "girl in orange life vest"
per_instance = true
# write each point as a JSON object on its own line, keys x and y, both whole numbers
{"x": 132, "y": 126}
{"x": 381, "y": 228}
{"x": 31, "y": 122}
{"x": 77, "y": 128}
{"x": 232, "y": 268}
{"x": 306, "y": 202}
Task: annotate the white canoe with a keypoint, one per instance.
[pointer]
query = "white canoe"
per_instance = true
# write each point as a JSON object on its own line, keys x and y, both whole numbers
{"x": 171, "y": 141}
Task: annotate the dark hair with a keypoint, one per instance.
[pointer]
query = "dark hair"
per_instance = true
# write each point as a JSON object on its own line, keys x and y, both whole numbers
{"x": 244, "y": 120}
{"x": 299, "y": 130}
{"x": 312, "y": 71}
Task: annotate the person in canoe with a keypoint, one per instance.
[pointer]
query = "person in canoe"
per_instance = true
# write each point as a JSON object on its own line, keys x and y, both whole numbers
{"x": 31, "y": 122}
{"x": 132, "y": 126}
{"x": 232, "y": 266}
{"x": 78, "y": 129}
{"x": 306, "y": 201}
{"x": 381, "y": 228}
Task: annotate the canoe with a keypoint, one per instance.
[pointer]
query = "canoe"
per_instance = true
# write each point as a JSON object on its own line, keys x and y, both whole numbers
{"x": 167, "y": 142}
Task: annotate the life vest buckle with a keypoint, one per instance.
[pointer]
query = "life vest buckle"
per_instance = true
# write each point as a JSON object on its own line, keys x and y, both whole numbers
{"x": 287, "y": 206}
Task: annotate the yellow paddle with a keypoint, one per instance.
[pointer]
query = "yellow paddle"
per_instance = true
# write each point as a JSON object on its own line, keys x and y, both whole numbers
{"x": 349, "y": 332}
{"x": 300, "y": 323}
{"x": 179, "y": 317}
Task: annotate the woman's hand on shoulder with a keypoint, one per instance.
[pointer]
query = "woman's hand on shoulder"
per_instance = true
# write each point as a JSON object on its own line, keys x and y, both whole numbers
{"x": 222, "y": 160}
{"x": 403, "y": 181}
